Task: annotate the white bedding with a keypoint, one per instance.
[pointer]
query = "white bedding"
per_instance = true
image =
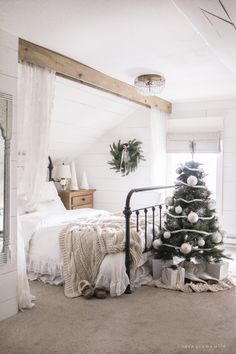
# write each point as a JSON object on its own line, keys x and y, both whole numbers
{"x": 41, "y": 235}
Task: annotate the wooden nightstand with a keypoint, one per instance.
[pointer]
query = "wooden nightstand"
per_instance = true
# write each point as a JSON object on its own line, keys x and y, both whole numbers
{"x": 82, "y": 198}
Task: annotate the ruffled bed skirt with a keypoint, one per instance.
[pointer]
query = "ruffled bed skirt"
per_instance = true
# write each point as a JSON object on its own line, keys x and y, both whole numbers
{"x": 48, "y": 273}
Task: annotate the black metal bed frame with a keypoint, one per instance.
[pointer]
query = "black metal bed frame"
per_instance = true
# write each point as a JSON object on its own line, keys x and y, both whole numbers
{"x": 128, "y": 212}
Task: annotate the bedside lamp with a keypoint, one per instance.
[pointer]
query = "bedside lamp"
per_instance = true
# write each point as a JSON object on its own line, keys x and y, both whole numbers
{"x": 63, "y": 174}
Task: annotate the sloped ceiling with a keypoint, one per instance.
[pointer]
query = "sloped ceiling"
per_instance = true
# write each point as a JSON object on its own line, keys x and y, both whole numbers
{"x": 129, "y": 37}
{"x": 215, "y": 21}
{"x": 81, "y": 115}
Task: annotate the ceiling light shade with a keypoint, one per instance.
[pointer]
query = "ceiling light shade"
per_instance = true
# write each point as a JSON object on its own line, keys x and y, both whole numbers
{"x": 150, "y": 84}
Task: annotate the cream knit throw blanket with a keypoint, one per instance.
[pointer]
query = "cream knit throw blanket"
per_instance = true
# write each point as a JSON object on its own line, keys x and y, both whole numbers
{"x": 84, "y": 247}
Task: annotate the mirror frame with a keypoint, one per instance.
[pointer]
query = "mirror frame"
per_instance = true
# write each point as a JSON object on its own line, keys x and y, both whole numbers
{"x": 6, "y": 102}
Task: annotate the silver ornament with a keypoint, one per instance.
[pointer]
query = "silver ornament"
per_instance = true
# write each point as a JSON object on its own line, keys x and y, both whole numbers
{"x": 192, "y": 217}
{"x": 192, "y": 181}
{"x": 217, "y": 237}
{"x": 201, "y": 242}
{"x": 179, "y": 170}
{"x": 157, "y": 243}
{"x": 178, "y": 209}
{"x": 167, "y": 234}
{"x": 185, "y": 248}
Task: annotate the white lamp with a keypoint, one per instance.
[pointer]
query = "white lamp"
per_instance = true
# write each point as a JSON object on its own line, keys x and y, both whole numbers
{"x": 63, "y": 174}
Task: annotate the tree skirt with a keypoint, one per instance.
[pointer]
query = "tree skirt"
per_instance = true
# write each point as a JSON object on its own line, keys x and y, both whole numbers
{"x": 224, "y": 284}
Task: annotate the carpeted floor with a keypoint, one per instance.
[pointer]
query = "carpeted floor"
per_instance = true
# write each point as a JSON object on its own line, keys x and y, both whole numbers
{"x": 148, "y": 321}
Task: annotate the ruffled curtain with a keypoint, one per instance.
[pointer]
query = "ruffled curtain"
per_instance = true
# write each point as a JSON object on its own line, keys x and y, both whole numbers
{"x": 36, "y": 88}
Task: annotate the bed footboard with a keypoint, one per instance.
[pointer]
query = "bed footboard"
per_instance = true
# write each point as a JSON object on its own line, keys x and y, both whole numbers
{"x": 128, "y": 212}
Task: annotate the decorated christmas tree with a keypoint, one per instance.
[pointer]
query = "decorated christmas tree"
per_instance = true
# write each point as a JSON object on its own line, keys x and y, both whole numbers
{"x": 191, "y": 229}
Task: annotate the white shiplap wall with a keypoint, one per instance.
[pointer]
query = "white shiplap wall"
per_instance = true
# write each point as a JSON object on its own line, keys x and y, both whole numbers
{"x": 8, "y": 84}
{"x": 111, "y": 189}
{"x": 227, "y": 110}
{"x": 82, "y": 114}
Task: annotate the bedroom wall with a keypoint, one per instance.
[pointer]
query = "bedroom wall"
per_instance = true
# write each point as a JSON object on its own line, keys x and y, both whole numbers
{"x": 227, "y": 110}
{"x": 111, "y": 189}
{"x": 8, "y": 84}
{"x": 82, "y": 114}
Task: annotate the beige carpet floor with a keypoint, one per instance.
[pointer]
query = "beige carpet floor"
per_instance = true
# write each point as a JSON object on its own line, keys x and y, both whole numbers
{"x": 148, "y": 321}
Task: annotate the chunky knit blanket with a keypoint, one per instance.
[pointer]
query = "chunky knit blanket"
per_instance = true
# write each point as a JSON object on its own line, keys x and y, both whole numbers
{"x": 84, "y": 247}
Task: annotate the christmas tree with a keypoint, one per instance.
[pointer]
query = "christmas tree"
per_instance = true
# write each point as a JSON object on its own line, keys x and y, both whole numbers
{"x": 191, "y": 228}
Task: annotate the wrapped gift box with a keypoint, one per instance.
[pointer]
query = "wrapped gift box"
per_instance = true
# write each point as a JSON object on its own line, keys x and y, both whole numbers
{"x": 218, "y": 270}
{"x": 157, "y": 266}
{"x": 173, "y": 276}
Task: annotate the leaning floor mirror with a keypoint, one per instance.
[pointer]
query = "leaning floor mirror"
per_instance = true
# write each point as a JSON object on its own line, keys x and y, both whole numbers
{"x": 5, "y": 138}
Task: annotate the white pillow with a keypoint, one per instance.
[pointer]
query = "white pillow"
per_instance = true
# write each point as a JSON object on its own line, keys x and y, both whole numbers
{"x": 50, "y": 201}
{"x": 48, "y": 192}
{"x": 51, "y": 206}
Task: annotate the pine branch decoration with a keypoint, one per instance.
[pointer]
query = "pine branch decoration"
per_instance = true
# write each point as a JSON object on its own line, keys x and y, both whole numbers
{"x": 126, "y": 156}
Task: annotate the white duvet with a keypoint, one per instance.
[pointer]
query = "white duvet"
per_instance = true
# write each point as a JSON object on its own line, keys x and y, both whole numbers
{"x": 44, "y": 260}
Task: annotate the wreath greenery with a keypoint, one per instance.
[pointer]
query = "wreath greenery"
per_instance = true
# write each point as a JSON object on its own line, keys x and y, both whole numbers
{"x": 126, "y": 156}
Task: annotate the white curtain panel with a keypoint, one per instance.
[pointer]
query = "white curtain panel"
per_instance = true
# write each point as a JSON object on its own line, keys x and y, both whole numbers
{"x": 24, "y": 295}
{"x": 158, "y": 147}
{"x": 35, "y": 101}
{"x": 36, "y": 87}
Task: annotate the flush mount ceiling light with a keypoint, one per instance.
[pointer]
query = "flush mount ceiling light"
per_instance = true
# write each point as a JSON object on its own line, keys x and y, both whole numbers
{"x": 149, "y": 84}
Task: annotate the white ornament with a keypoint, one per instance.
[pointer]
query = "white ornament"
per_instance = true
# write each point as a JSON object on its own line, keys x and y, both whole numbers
{"x": 201, "y": 242}
{"x": 157, "y": 243}
{"x": 169, "y": 201}
{"x": 192, "y": 217}
{"x": 217, "y": 237}
{"x": 192, "y": 181}
{"x": 167, "y": 234}
{"x": 211, "y": 204}
{"x": 179, "y": 170}
{"x": 178, "y": 209}
{"x": 185, "y": 248}
{"x": 217, "y": 224}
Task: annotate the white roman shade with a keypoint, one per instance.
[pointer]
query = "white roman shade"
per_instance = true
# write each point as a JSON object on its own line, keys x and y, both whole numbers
{"x": 204, "y": 142}
{"x": 205, "y": 132}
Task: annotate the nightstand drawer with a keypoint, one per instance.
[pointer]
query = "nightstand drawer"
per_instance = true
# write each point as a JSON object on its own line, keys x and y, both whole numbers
{"x": 81, "y": 200}
{"x": 82, "y": 206}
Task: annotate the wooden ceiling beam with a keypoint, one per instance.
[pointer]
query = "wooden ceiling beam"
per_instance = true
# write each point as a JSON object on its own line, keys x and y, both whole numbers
{"x": 77, "y": 71}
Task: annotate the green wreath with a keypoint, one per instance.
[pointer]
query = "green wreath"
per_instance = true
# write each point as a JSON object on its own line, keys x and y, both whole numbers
{"x": 126, "y": 156}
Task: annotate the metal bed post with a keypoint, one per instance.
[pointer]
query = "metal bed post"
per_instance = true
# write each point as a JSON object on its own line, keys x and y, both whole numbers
{"x": 127, "y": 213}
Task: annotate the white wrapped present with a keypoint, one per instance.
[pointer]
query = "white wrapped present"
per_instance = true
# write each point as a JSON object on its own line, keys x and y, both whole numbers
{"x": 157, "y": 266}
{"x": 173, "y": 276}
{"x": 218, "y": 270}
